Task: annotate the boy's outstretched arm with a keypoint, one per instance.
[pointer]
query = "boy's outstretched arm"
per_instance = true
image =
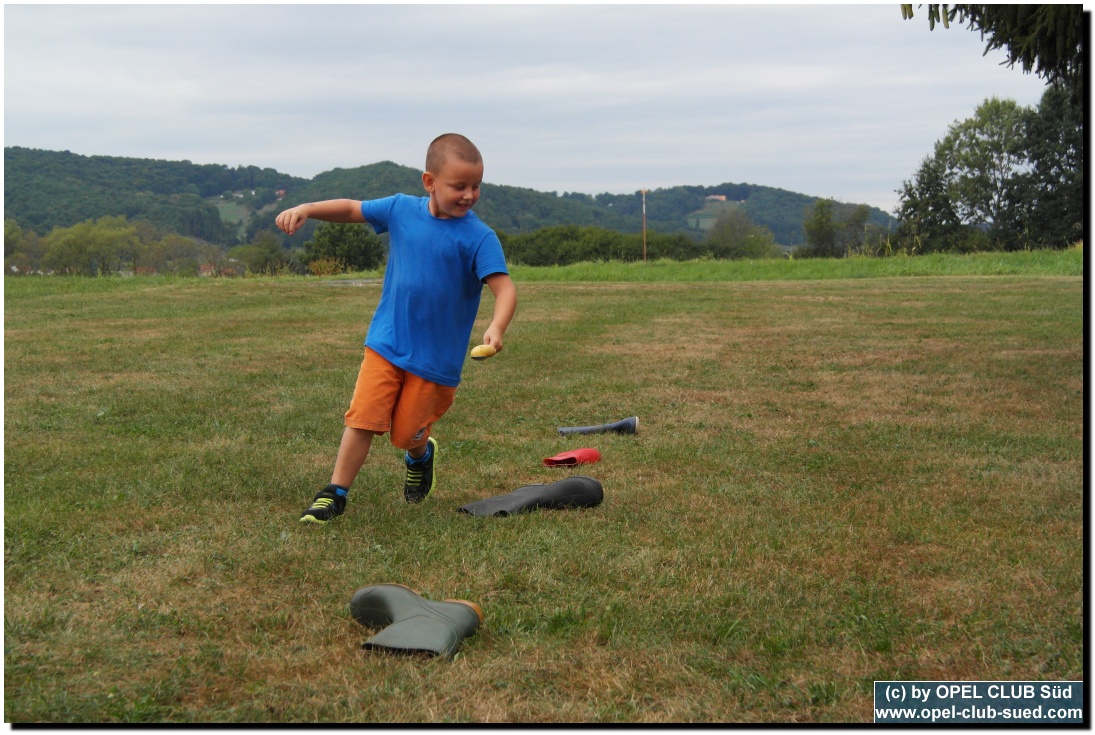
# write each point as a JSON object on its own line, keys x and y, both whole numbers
{"x": 331, "y": 210}
{"x": 505, "y": 305}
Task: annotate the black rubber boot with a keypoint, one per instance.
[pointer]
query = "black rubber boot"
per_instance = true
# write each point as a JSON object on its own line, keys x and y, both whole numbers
{"x": 624, "y": 426}
{"x": 573, "y": 492}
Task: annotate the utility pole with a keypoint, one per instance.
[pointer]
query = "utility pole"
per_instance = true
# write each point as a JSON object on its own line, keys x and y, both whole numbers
{"x": 644, "y": 224}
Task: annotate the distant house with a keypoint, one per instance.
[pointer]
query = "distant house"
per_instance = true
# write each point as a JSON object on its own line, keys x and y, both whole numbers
{"x": 280, "y": 193}
{"x": 714, "y": 207}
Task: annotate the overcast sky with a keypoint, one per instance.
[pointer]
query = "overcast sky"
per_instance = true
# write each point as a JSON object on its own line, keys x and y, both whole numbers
{"x": 835, "y": 101}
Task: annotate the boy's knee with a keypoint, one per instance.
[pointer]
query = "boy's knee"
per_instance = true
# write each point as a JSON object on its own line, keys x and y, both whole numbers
{"x": 407, "y": 440}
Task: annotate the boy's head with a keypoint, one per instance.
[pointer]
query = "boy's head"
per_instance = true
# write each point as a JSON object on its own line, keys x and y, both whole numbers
{"x": 450, "y": 146}
{"x": 454, "y": 173}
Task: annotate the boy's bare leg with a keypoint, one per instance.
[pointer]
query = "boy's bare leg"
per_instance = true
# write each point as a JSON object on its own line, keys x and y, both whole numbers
{"x": 352, "y": 453}
{"x": 330, "y": 502}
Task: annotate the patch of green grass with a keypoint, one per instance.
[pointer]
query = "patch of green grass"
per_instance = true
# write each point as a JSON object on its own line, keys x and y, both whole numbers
{"x": 232, "y": 211}
{"x": 1068, "y": 262}
{"x": 836, "y": 480}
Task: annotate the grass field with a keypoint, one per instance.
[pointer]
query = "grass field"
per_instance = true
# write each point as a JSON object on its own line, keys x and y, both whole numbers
{"x": 232, "y": 211}
{"x": 836, "y": 480}
{"x": 1027, "y": 263}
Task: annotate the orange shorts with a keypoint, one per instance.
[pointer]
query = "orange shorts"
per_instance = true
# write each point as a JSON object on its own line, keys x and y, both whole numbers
{"x": 388, "y": 398}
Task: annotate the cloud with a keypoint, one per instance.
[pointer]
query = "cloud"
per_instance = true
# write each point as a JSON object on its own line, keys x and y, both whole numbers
{"x": 839, "y": 101}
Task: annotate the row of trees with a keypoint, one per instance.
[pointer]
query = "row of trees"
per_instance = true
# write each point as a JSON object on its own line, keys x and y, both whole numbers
{"x": 733, "y": 236}
{"x": 565, "y": 244}
{"x": 116, "y": 245}
{"x": 1008, "y": 178}
{"x": 835, "y": 230}
{"x": 106, "y": 246}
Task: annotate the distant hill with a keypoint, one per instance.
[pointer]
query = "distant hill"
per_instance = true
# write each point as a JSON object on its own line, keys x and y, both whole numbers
{"x": 47, "y": 189}
{"x": 508, "y": 208}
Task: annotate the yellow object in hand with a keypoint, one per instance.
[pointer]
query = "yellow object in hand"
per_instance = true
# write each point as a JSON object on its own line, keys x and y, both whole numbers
{"x": 482, "y": 352}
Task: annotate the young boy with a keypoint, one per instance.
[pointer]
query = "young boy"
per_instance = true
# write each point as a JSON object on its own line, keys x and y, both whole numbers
{"x": 440, "y": 255}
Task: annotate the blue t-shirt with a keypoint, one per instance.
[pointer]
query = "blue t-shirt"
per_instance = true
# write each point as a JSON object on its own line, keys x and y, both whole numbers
{"x": 431, "y": 287}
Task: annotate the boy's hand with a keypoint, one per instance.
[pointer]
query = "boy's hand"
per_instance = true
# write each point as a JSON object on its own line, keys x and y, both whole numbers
{"x": 493, "y": 337}
{"x": 292, "y": 220}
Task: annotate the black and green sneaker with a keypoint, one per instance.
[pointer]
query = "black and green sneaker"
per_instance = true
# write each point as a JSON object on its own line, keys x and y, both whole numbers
{"x": 328, "y": 503}
{"x": 420, "y": 474}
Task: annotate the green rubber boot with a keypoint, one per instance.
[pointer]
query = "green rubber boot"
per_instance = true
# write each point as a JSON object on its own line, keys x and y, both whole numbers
{"x": 414, "y": 624}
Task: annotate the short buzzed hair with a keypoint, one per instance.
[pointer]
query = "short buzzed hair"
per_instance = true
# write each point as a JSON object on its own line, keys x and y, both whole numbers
{"x": 450, "y": 145}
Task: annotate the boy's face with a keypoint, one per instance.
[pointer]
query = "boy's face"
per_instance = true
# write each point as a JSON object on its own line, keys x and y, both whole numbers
{"x": 454, "y": 189}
